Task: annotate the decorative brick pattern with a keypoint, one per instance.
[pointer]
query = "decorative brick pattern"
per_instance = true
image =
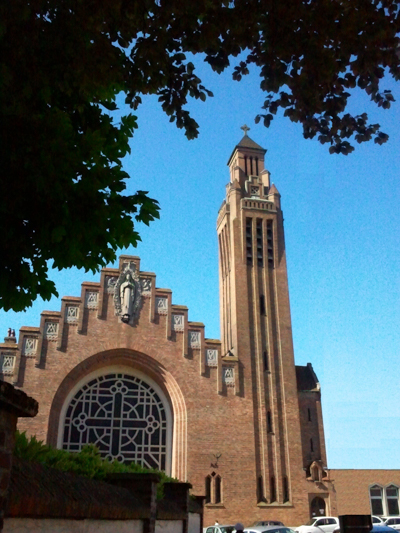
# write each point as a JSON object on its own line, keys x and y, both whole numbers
{"x": 161, "y": 305}
{"x": 7, "y": 363}
{"x": 194, "y": 339}
{"x": 178, "y": 323}
{"x": 72, "y": 314}
{"x": 110, "y": 282}
{"x": 212, "y": 358}
{"x": 29, "y": 347}
{"x": 51, "y": 331}
{"x": 91, "y": 300}
{"x": 228, "y": 376}
{"x": 146, "y": 287}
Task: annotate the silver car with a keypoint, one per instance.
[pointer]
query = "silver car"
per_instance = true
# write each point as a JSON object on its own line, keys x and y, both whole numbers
{"x": 268, "y": 529}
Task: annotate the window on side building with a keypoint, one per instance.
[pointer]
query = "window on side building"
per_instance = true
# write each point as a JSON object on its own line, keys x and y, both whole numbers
{"x": 375, "y": 495}
{"x": 392, "y": 500}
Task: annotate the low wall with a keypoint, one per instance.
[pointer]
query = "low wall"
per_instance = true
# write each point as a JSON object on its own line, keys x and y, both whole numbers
{"x": 61, "y": 525}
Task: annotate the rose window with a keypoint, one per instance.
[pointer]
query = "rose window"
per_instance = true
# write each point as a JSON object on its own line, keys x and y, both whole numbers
{"x": 123, "y": 416}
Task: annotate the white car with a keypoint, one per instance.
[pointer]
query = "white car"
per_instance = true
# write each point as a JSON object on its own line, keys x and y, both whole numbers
{"x": 219, "y": 529}
{"x": 319, "y": 524}
{"x": 378, "y": 519}
{"x": 392, "y": 521}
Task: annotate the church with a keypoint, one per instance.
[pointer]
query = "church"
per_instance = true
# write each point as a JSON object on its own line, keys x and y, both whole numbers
{"x": 123, "y": 367}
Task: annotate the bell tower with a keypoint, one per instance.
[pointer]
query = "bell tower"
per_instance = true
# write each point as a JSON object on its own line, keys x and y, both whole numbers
{"x": 255, "y": 318}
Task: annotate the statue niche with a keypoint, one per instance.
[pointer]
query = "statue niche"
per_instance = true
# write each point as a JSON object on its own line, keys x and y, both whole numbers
{"x": 127, "y": 293}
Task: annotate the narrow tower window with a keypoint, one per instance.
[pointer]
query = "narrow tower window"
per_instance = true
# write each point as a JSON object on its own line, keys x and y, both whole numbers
{"x": 251, "y": 165}
{"x": 285, "y": 489}
{"x": 257, "y": 166}
{"x": 249, "y": 242}
{"x": 265, "y": 359}
{"x": 311, "y": 445}
{"x": 272, "y": 489}
{"x": 245, "y": 165}
{"x": 262, "y": 304}
{"x": 259, "y": 243}
{"x": 218, "y": 491}
{"x": 260, "y": 489}
{"x": 269, "y": 422}
{"x": 270, "y": 243}
{"x": 208, "y": 489}
{"x": 309, "y": 414}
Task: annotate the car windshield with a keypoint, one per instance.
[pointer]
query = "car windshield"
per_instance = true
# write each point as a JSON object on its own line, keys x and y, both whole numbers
{"x": 311, "y": 522}
{"x": 227, "y": 529}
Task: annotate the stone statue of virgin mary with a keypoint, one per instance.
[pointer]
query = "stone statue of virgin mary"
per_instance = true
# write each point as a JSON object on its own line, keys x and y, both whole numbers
{"x": 127, "y": 294}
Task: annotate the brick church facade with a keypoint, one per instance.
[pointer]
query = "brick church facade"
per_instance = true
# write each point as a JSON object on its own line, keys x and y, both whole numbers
{"x": 122, "y": 366}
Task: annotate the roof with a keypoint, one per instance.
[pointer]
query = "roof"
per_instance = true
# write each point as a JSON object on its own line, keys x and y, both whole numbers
{"x": 248, "y": 143}
{"x": 306, "y": 378}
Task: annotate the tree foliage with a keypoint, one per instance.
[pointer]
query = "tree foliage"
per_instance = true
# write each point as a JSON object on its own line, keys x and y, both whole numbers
{"x": 63, "y": 62}
{"x": 87, "y": 463}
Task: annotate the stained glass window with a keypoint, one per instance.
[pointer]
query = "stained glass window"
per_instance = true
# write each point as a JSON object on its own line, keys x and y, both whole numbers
{"x": 123, "y": 416}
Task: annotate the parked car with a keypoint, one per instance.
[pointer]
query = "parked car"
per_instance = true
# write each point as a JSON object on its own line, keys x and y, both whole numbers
{"x": 268, "y": 529}
{"x": 378, "y": 519}
{"x": 219, "y": 529}
{"x": 381, "y": 528}
{"x": 392, "y": 521}
{"x": 267, "y": 523}
{"x": 376, "y": 528}
{"x": 318, "y": 524}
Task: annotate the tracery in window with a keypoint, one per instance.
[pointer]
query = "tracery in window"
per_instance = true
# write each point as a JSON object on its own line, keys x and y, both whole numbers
{"x": 123, "y": 416}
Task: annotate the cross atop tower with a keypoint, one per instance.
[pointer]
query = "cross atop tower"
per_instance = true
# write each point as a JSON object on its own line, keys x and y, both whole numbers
{"x": 245, "y": 128}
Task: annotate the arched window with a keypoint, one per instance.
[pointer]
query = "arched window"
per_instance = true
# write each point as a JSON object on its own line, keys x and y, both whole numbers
{"x": 375, "y": 494}
{"x": 213, "y": 489}
{"x": 218, "y": 490}
{"x": 208, "y": 489}
{"x": 392, "y": 499}
{"x": 125, "y": 415}
{"x": 317, "y": 507}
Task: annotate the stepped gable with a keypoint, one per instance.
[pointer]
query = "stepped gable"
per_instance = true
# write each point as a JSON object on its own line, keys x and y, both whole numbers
{"x": 97, "y": 314}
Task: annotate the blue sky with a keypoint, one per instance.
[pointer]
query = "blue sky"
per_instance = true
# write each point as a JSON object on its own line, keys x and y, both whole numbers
{"x": 342, "y": 226}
